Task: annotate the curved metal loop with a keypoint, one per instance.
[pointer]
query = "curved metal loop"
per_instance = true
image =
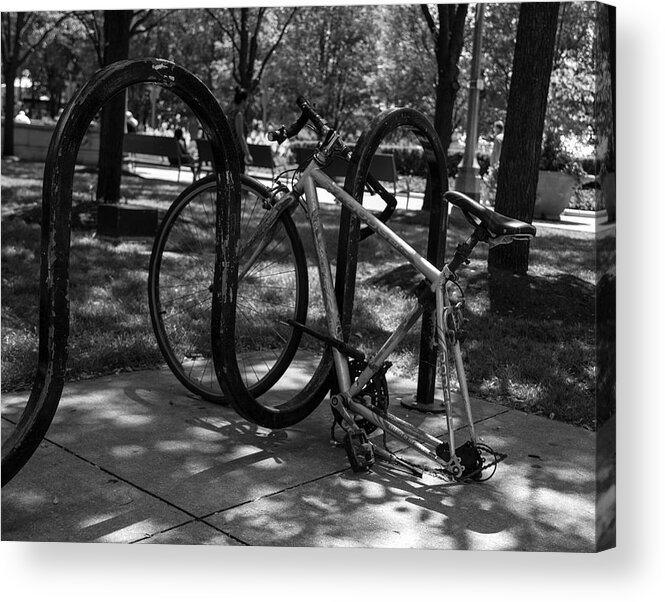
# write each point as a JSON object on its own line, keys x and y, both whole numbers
{"x": 56, "y": 225}
{"x": 377, "y": 130}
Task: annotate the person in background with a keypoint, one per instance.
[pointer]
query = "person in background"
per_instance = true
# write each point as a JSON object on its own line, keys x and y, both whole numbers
{"x": 495, "y": 156}
{"x": 239, "y": 128}
{"x": 22, "y": 118}
{"x": 184, "y": 158}
{"x": 132, "y": 122}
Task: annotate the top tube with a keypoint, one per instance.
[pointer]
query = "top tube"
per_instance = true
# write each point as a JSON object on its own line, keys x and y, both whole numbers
{"x": 416, "y": 259}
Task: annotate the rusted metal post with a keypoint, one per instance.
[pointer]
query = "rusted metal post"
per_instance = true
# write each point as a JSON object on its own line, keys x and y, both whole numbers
{"x": 424, "y": 399}
{"x": 19, "y": 446}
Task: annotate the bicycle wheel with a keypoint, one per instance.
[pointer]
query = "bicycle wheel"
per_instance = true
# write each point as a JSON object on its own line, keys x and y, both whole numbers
{"x": 273, "y": 290}
{"x": 307, "y": 380}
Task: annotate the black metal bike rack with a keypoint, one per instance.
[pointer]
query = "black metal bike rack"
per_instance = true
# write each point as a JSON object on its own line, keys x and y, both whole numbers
{"x": 347, "y": 258}
{"x": 38, "y": 413}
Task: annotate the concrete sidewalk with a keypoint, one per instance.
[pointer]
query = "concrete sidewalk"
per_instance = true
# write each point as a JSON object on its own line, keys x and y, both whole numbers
{"x": 134, "y": 458}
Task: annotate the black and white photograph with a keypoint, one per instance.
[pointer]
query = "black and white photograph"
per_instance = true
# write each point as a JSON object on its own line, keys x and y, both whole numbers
{"x": 328, "y": 277}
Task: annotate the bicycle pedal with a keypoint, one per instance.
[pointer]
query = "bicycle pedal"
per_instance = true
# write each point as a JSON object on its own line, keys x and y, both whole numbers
{"x": 359, "y": 450}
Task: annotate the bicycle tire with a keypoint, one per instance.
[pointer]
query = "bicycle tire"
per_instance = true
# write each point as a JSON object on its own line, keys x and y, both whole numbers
{"x": 270, "y": 410}
{"x": 351, "y": 232}
{"x": 180, "y": 296}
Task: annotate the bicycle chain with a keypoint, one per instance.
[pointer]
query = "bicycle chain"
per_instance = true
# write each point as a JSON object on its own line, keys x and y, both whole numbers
{"x": 446, "y": 475}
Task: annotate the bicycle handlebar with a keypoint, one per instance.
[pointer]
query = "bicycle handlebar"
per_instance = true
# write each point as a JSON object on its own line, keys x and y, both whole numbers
{"x": 317, "y": 121}
{"x": 307, "y": 114}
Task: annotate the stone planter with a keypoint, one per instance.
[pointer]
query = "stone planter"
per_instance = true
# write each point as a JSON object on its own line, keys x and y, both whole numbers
{"x": 608, "y": 186}
{"x": 31, "y": 143}
{"x": 553, "y": 194}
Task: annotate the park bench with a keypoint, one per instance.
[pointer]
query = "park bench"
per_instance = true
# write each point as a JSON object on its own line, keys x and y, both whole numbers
{"x": 383, "y": 168}
{"x": 261, "y": 153}
{"x": 262, "y": 156}
{"x": 152, "y": 151}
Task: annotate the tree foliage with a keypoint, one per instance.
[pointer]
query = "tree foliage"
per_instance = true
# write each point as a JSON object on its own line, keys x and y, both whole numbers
{"x": 500, "y": 29}
{"x": 253, "y": 35}
{"x": 573, "y": 83}
{"x": 328, "y": 57}
{"x": 383, "y": 55}
{"x": 23, "y": 35}
{"x": 353, "y": 61}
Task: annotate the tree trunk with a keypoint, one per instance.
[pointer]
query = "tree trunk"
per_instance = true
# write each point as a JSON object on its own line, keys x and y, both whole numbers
{"x": 116, "y": 47}
{"x": 449, "y": 41}
{"x": 8, "y": 136}
{"x": 525, "y": 116}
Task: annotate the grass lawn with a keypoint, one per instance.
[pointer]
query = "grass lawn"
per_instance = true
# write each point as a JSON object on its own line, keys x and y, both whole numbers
{"x": 535, "y": 351}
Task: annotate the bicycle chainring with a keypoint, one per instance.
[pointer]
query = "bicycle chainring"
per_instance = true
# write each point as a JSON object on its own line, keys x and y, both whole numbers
{"x": 374, "y": 395}
{"x": 475, "y": 460}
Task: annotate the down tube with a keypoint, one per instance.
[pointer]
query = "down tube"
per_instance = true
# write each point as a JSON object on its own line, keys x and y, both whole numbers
{"x": 327, "y": 287}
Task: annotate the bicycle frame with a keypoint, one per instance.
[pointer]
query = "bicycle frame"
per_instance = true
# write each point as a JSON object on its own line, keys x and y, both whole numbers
{"x": 311, "y": 179}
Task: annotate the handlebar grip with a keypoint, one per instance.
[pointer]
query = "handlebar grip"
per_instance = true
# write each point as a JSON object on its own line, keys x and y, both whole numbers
{"x": 278, "y": 136}
{"x": 308, "y": 114}
{"x": 284, "y": 133}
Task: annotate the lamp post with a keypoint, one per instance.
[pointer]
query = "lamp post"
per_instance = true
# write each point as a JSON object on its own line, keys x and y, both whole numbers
{"x": 468, "y": 178}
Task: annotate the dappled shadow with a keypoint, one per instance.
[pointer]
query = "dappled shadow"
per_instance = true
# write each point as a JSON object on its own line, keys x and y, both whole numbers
{"x": 110, "y": 326}
{"x": 525, "y": 507}
{"x": 151, "y": 435}
{"x": 557, "y": 297}
{"x": 190, "y": 458}
{"x": 529, "y": 341}
{"x": 168, "y": 458}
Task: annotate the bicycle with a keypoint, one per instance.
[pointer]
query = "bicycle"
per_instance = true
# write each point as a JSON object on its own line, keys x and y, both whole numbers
{"x": 273, "y": 289}
{"x": 359, "y": 397}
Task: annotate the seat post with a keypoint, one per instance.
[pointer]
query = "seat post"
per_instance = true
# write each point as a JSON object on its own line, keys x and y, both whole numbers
{"x": 464, "y": 249}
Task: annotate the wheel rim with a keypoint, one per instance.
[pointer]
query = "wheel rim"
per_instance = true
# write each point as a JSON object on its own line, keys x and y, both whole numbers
{"x": 270, "y": 293}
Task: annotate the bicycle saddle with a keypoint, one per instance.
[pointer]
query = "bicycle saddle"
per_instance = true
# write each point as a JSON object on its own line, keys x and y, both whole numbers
{"x": 496, "y": 224}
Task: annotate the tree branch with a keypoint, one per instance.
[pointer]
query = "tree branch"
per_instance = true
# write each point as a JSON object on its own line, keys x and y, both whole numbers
{"x": 223, "y": 27}
{"x": 430, "y": 22}
{"x": 32, "y": 47}
{"x": 164, "y": 14}
{"x": 259, "y": 18}
{"x": 92, "y": 30}
{"x": 254, "y": 40}
{"x": 235, "y": 21}
{"x": 457, "y": 33}
{"x": 276, "y": 44}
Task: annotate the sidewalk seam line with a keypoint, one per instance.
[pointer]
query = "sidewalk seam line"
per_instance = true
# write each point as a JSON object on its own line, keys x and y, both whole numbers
{"x": 193, "y": 517}
{"x": 273, "y": 493}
